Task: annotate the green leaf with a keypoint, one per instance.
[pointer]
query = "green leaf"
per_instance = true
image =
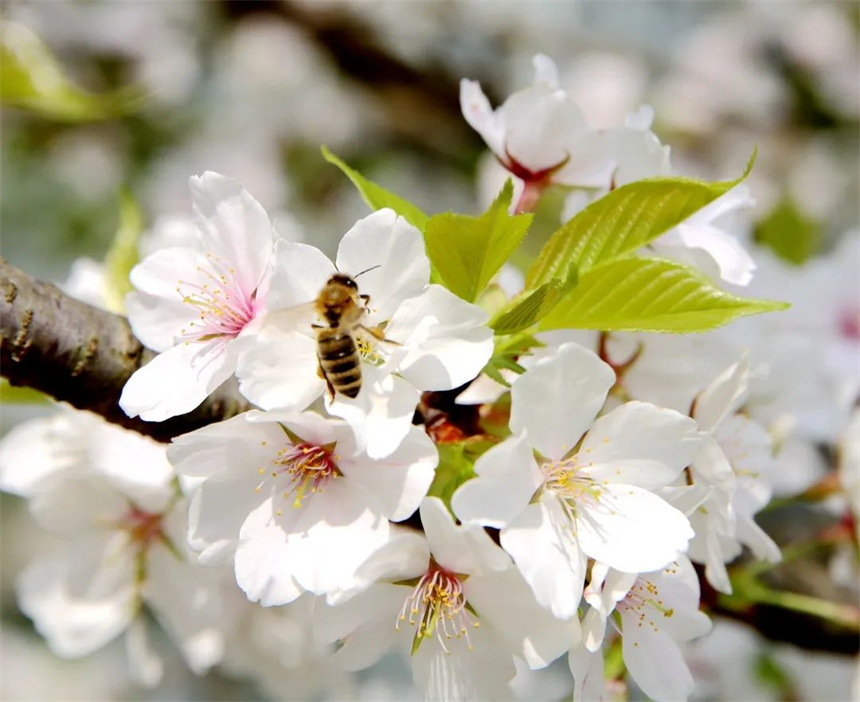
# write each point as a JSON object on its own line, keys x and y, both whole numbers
{"x": 506, "y": 352}
{"x": 19, "y": 395}
{"x": 123, "y": 253}
{"x": 530, "y": 306}
{"x": 376, "y": 196}
{"x": 791, "y": 235}
{"x": 32, "y": 79}
{"x": 468, "y": 251}
{"x": 644, "y": 294}
{"x": 622, "y": 222}
{"x": 455, "y": 468}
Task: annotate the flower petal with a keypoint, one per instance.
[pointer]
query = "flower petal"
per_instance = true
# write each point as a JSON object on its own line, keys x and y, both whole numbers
{"x": 233, "y": 227}
{"x": 552, "y": 563}
{"x": 639, "y": 444}
{"x": 447, "y": 340}
{"x": 392, "y": 253}
{"x": 299, "y": 273}
{"x": 507, "y": 479}
{"x": 481, "y": 117}
{"x": 178, "y": 380}
{"x": 558, "y": 397}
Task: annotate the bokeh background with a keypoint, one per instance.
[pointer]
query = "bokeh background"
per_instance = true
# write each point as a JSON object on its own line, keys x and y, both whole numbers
{"x": 253, "y": 89}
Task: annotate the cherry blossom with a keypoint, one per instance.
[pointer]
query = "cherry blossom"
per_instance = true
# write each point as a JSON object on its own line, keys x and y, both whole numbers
{"x": 559, "y": 500}
{"x": 193, "y": 303}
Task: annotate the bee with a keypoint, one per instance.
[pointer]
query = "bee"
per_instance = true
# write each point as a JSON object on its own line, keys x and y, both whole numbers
{"x": 342, "y": 308}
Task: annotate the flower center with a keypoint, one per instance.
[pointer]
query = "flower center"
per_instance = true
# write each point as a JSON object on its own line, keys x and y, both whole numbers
{"x": 567, "y": 482}
{"x": 143, "y": 527}
{"x": 643, "y": 601}
{"x": 307, "y": 468}
{"x": 224, "y": 309}
{"x": 437, "y": 606}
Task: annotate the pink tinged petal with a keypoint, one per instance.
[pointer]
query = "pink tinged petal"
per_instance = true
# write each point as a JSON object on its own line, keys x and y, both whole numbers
{"x": 631, "y": 529}
{"x": 465, "y": 675}
{"x": 264, "y": 562}
{"x": 298, "y": 275}
{"x": 481, "y": 117}
{"x": 336, "y": 530}
{"x": 157, "y": 311}
{"x": 400, "y": 481}
{"x": 639, "y": 444}
{"x": 233, "y": 226}
{"x": 381, "y": 415}
{"x": 541, "y": 126}
{"x": 280, "y": 371}
{"x": 558, "y": 397}
{"x": 394, "y": 250}
{"x": 447, "y": 340}
{"x": 723, "y": 396}
{"x": 542, "y": 546}
{"x": 217, "y": 512}
{"x": 459, "y": 548}
{"x": 505, "y": 601}
{"x": 654, "y": 661}
{"x": 507, "y": 479}
{"x": 177, "y": 381}
{"x": 364, "y": 626}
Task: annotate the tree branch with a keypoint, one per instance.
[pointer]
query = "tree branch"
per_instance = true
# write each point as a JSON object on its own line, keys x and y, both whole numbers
{"x": 82, "y": 355}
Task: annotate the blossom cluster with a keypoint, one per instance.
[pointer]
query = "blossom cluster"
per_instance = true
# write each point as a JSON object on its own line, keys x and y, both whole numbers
{"x": 597, "y": 476}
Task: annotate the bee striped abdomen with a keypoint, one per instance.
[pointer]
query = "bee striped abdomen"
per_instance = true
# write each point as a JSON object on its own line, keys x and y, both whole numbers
{"x": 339, "y": 361}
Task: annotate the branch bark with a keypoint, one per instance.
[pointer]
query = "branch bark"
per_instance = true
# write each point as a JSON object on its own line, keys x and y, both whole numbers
{"x": 82, "y": 355}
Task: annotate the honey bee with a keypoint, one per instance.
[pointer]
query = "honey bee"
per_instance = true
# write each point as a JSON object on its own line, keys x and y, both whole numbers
{"x": 342, "y": 308}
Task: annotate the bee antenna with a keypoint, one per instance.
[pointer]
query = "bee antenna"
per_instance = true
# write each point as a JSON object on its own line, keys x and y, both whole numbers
{"x": 367, "y": 270}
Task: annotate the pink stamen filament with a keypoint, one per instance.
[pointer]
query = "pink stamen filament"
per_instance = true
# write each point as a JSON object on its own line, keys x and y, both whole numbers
{"x": 437, "y": 605}
{"x": 307, "y": 468}
{"x": 224, "y": 308}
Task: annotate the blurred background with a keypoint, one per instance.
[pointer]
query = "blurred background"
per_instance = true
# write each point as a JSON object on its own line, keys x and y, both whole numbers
{"x": 138, "y": 96}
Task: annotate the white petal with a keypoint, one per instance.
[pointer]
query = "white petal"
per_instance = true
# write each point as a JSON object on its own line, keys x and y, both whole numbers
{"x": 545, "y": 70}
{"x": 460, "y": 549}
{"x": 202, "y": 453}
{"x": 299, "y": 273}
{"x": 639, "y": 444}
{"x": 400, "y": 481}
{"x": 735, "y": 264}
{"x": 656, "y": 664}
{"x": 405, "y": 555}
{"x": 394, "y": 250}
{"x": 381, "y": 415}
{"x": 281, "y": 370}
{"x": 264, "y": 561}
{"x": 177, "y": 381}
{"x": 558, "y": 397}
{"x": 447, "y": 339}
{"x": 157, "y": 312}
{"x": 218, "y": 509}
{"x": 233, "y": 227}
{"x": 34, "y": 450}
{"x": 145, "y": 666}
{"x": 481, "y": 117}
{"x": 723, "y": 396}
{"x": 631, "y": 529}
{"x": 74, "y": 502}
{"x": 507, "y": 479}
{"x": 505, "y": 600}
{"x": 588, "y": 674}
{"x": 552, "y": 564}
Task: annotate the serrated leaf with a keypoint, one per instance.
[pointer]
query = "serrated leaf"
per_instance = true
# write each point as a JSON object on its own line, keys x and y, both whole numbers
{"x": 529, "y": 307}
{"x": 123, "y": 253}
{"x": 32, "y": 79}
{"x": 645, "y": 294}
{"x": 789, "y": 233}
{"x": 468, "y": 251}
{"x": 376, "y": 196}
{"x": 622, "y": 222}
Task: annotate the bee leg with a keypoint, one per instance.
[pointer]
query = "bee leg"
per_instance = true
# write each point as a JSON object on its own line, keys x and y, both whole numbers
{"x": 379, "y": 334}
{"x": 328, "y": 384}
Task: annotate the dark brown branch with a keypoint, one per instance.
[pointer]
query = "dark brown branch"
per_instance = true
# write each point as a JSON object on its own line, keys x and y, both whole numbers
{"x": 82, "y": 355}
